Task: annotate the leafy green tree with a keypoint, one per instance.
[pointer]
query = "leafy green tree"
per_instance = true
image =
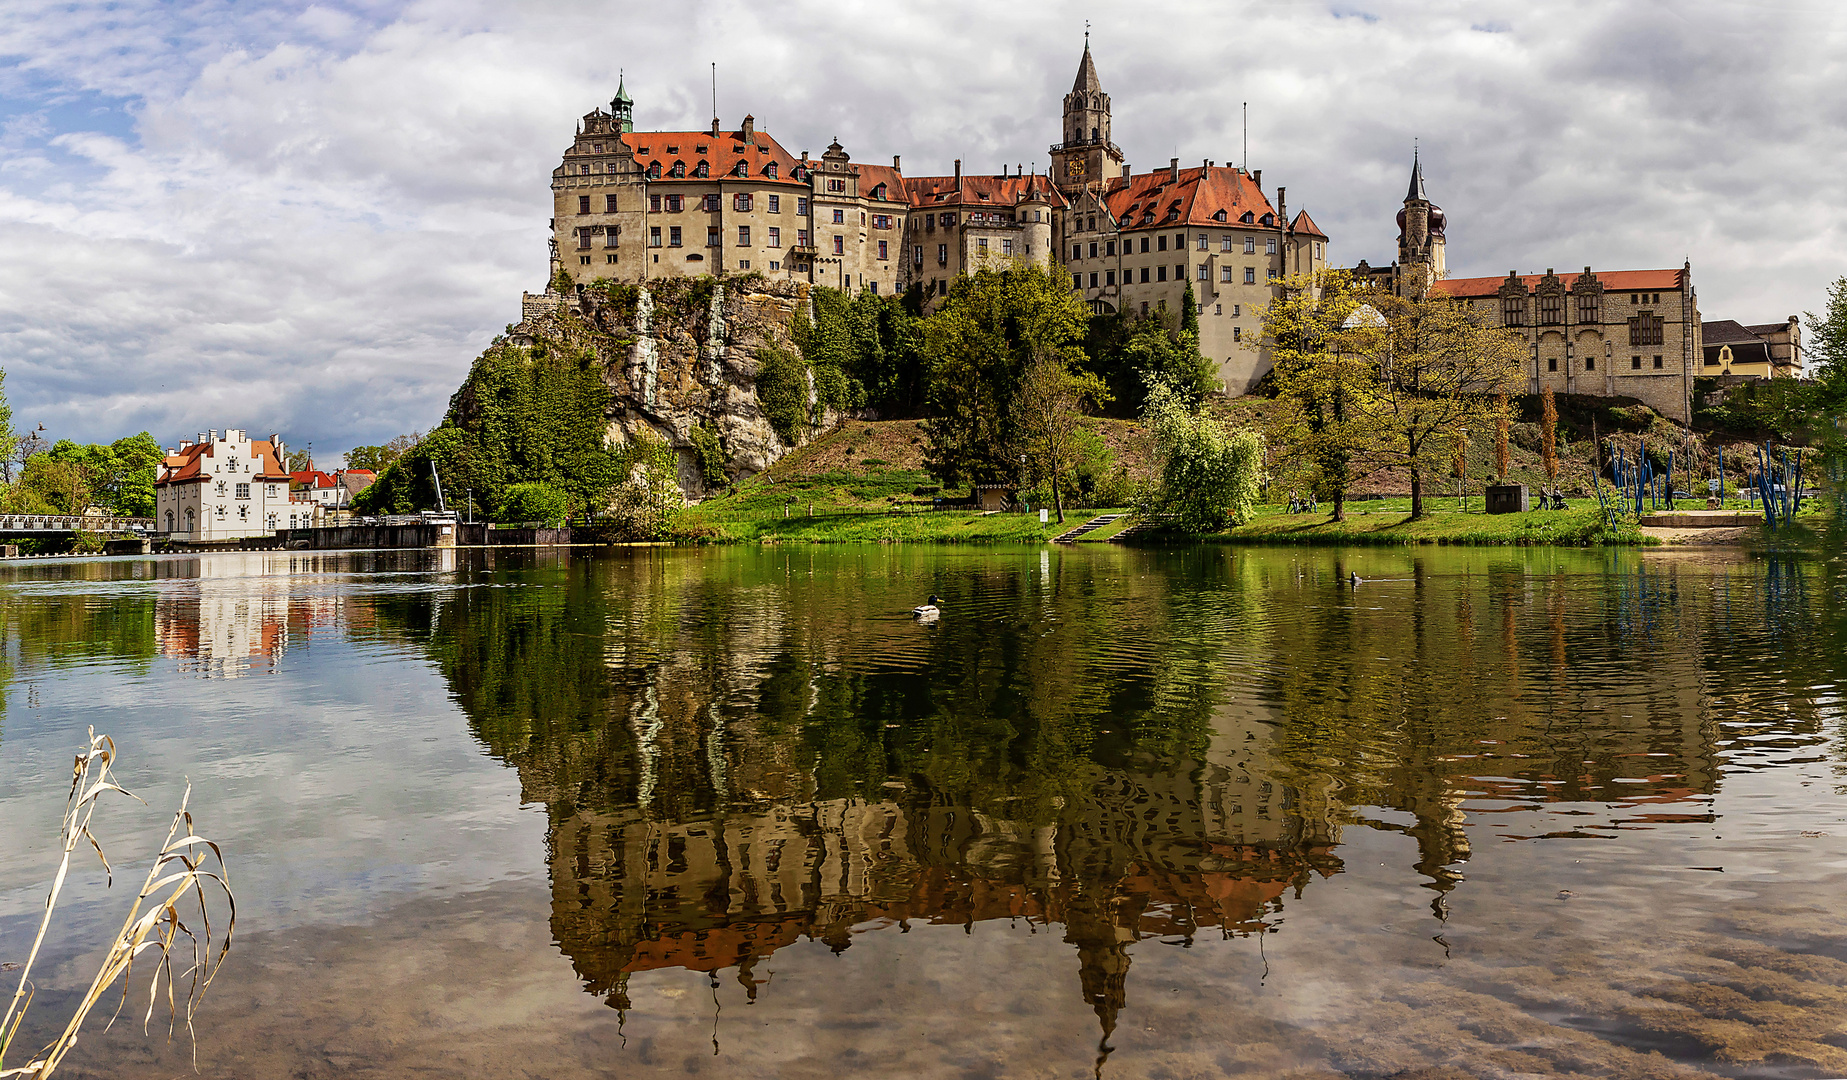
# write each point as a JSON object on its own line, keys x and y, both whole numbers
{"x": 1324, "y": 389}
{"x": 979, "y": 343}
{"x": 9, "y": 439}
{"x": 534, "y": 501}
{"x": 782, "y": 393}
{"x": 379, "y": 458}
{"x": 864, "y": 350}
{"x": 299, "y": 461}
{"x": 118, "y": 477}
{"x": 643, "y": 505}
{"x": 1127, "y": 350}
{"x": 1051, "y": 404}
{"x": 1209, "y": 476}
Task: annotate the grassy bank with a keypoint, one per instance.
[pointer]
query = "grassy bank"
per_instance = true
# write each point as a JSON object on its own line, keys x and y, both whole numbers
{"x": 1389, "y": 522}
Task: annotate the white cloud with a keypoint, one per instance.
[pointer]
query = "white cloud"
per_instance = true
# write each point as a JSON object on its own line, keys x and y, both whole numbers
{"x": 310, "y": 217}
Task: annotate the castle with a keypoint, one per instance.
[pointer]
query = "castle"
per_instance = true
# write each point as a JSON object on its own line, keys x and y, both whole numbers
{"x": 633, "y": 206}
{"x": 1613, "y": 333}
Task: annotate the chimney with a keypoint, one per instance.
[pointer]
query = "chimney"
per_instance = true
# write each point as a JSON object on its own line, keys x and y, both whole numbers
{"x": 750, "y": 128}
{"x": 1257, "y": 178}
{"x": 1125, "y": 171}
{"x": 1206, "y": 163}
{"x": 213, "y": 432}
{"x": 958, "y": 174}
{"x": 1282, "y": 205}
{"x": 1173, "y": 170}
{"x": 896, "y": 165}
{"x": 201, "y": 439}
{"x": 715, "y": 127}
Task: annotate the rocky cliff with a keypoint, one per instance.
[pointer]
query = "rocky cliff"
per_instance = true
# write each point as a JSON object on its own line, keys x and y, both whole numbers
{"x": 682, "y": 360}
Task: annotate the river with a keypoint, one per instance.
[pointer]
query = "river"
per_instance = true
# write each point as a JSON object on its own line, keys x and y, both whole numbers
{"x": 732, "y": 812}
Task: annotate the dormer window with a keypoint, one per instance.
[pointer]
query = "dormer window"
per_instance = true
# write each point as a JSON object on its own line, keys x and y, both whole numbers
{"x": 679, "y": 168}
{"x": 654, "y": 171}
{"x": 699, "y": 149}
{"x": 1220, "y": 216}
{"x": 878, "y": 192}
{"x": 1248, "y": 218}
{"x": 770, "y": 170}
{"x": 741, "y": 170}
{"x": 702, "y": 170}
{"x": 672, "y": 150}
{"x": 642, "y": 150}
{"x": 1269, "y": 219}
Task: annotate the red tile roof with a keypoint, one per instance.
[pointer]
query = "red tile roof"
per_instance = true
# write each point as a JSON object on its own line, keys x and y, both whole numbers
{"x": 1306, "y": 226}
{"x": 721, "y": 154}
{"x": 190, "y": 463}
{"x": 977, "y": 192}
{"x": 311, "y": 478}
{"x": 1196, "y": 199}
{"x": 1612, "y": 281}
{"x": 871, "y": 176}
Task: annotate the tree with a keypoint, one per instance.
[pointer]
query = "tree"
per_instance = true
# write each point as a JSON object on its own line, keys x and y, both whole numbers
{"x": 534, "y": 501}
{"x": 1051, "y": 404}
{"x": 378, "y": 458}
{"x": 1548, "y": 434}
{"x": 1827, "y": 349}
{"x": 978, "y": 345}
{"x": 1325, "y": 381}
{"x": 1209, "y": 477}
{"x": 300, "y": 461}
{"x": 643, "y": 505}
{"x": 9, "y": 439}
{"x": 1127, "y": 349}
{"x": 1437, "y": 369}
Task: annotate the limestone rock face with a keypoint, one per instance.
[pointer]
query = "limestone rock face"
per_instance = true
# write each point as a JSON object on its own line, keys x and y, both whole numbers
{"x": 679, "y": 354}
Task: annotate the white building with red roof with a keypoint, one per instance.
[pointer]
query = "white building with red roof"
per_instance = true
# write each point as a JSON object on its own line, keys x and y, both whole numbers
{"x": 221, "y": 487}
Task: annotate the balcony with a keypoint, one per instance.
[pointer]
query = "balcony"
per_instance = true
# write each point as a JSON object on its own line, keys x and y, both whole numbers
{"x": 1083, "y": 144}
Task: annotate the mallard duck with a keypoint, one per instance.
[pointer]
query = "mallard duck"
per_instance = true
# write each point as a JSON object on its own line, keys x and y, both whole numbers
{"x": 929, "y": 610}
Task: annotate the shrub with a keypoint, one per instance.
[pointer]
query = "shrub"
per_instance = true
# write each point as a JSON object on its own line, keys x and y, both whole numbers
{"x": 534, "y": 501}
{"x": 782, "y": 391}
{"x": 714, "y": 463}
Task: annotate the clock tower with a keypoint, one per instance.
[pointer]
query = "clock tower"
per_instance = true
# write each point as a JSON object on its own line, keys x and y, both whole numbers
{"x": 1085, "y": 157}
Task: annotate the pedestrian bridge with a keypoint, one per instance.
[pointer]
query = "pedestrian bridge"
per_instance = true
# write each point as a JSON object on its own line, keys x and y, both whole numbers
{"x": 61, "y": 524}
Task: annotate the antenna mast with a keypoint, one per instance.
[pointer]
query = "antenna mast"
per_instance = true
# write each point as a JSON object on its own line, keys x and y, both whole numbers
{"x": 714, "y": 91}
{"x": 1247, "y": 137}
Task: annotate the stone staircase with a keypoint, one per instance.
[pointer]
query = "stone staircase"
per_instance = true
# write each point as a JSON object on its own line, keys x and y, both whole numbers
{"x": 1087, "y": 527}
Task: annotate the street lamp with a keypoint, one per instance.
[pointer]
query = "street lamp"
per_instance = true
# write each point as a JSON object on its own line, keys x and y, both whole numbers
{"x": 1022, "y": 477}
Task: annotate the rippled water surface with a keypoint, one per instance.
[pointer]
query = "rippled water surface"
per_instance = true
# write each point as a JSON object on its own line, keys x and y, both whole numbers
{"x": 1139, "y": 814}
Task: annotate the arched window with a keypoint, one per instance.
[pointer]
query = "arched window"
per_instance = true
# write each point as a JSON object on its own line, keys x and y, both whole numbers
{"x": 1093, "y": 134}
{"x": 169, "y": 521}
{"x": 189, "y": 519}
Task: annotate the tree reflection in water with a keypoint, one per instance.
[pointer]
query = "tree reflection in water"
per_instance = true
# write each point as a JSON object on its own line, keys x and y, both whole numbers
{"x": 740, "y": 749}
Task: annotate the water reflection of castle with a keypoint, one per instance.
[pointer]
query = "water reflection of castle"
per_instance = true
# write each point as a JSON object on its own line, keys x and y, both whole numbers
{"x": 1201, "y": 846}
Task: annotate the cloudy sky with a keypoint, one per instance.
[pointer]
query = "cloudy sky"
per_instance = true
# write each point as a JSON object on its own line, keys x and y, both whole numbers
{"x": 309, "y": 217}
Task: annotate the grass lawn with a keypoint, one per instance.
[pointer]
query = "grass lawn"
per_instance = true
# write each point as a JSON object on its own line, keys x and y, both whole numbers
{"x": 1388, "y": 521}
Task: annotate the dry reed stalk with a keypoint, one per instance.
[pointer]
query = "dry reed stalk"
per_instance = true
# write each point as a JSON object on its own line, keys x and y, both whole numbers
{"x": 178, "y": 875}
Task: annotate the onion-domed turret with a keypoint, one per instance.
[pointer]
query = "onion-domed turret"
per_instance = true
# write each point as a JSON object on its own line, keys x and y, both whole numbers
{"x": 1438, "y": 220}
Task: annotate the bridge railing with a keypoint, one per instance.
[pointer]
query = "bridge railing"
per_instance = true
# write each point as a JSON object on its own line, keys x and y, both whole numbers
{"x": 14, "y": 523}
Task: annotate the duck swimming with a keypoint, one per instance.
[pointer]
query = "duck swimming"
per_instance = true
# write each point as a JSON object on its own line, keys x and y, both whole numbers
{"x": 929, "y": 610}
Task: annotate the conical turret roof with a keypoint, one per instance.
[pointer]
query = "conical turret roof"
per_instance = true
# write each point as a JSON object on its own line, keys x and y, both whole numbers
{"x": 622, "y": 92}
{"x": 1416, "y": 191}
{"x": 1086, "y": 73}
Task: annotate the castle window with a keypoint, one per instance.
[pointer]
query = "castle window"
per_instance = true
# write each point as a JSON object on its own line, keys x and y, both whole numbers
{"x": 1093, "y": 249}
{"x": 654, "y": 236}
{"x": 801, "y": 204}
{"x": 711, "y": 236}
{"x": 775, "y": 204}
{"x": 1587, "y": 308}
{"x": 709, "y": 204}
{"x": 840, "y": 216}
{"x": 1077, "y": 252}
{"x": 1180, "y": 242}
{"x": 740, "y": 202}
{"x": 609, "y": 203}
{"x": 584, "y": 168}
{"x": 1160, "y": 273}
{"x": 1225, "y": 243}
{"x": 1203, "y": 242}
{"x": 1077, "y": 281}
{"x": 1161, "y": 242}
{"x": 610, "y": 235}
{"x": 1092, "y": 226}
{"x": 1093, "y": 134}
{"x": 1590, "y": 363}
{"x": 1148, "y": 217}
{"x": 881, "y": 221}
{"x": 878, "y": 192}
{"x": 1635, "y": 363}
{"x": 1551, "y": 309}
{"x": 1205, "y": 272}
{"x": 836, "y": 184}
{"x": 583, "y": 238}
{"x": 1513, "y": 311}
{"x": 675, "y": 203}
{"x": 917, "y": 255}
{"x": 981, "y": 245}
{"x": 743, "y": 236}
{"x": 775, "y": 238}
{"x": 1218, "y": 309}
{"x": 673, "y": 236}
{"x": 1269, "y": 246}
{"x": 1109, "y": 277}
{"x": 741, "y": 169}
{"x": 1657, "y": 362}
{"x": 1645, "y": 329}
{"x": 882, "y": 253}
{"x": 1551, "y": 363}
{"x": 1237, "y": 333}
{"x": 654, "y": 204}
{"x": 1269, "y": 219}
{"x": 1093, "y": 279}
{"x": 801, "y": 238}
{"x": 1144, "y": 282}
{"x": 929, "y": 222}
{"x": 1225, "y": 274}
{"x": 942, "y": 254}
{"x": 583, "y": 204}
{"x": 840, "y": 245}
{"x": 598, "y": 148}
{"x": 1144, "y": 302}
{"x": 946, "y": 220}
{"x": 1250, "y": 275}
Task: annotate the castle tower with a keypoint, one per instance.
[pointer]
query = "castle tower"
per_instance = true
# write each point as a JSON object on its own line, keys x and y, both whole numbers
{"x": 622, "y": 108}
{"x": 1421, "y": 225}
{"x": 1084, "y": 154}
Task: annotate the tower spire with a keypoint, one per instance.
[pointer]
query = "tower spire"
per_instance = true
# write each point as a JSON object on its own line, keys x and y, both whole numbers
{"x": 621, "y": 107}
{"x": 1416, "y": 190}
